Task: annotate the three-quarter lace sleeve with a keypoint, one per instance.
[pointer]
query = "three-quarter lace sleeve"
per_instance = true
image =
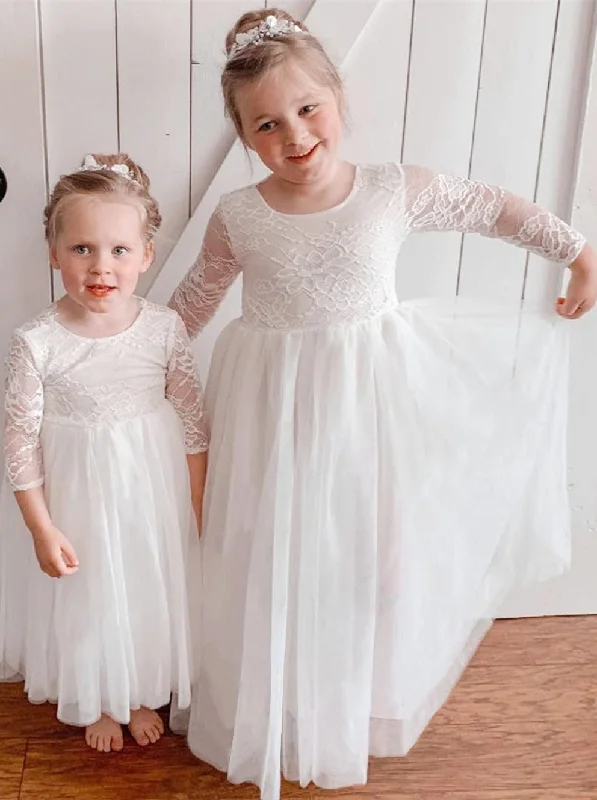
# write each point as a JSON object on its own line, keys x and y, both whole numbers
{"x": 201, "y": 291}
{"x": 183, "y": 389}
{"x": 436, "y": 202}
{"x": 24, "y": 406}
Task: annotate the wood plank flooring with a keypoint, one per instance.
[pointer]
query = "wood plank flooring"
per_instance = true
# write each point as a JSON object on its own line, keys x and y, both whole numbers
{"x": 522, "y": 725}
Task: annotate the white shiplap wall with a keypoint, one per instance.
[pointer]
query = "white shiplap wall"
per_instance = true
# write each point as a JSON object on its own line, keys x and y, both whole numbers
{"x": 493, "y": 89}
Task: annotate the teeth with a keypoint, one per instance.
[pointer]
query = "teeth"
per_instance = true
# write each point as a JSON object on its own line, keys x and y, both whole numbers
{"x": 100, "y": 289}
{"x": 306, "y": 153}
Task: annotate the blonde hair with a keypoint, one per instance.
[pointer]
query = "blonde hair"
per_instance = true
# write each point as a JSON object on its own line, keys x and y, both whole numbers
{"x": 254, "y": 61}
{"x": 100, "y": 183}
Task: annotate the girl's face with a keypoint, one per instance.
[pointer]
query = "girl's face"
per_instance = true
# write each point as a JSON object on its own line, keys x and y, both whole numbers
{"x": 101, "y": 252}
{"x": 292, "y": 123}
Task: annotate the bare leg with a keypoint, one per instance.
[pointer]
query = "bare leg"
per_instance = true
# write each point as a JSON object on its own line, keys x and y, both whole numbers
{"x": 104, "y": 735}
{"x": 145, "y": 726}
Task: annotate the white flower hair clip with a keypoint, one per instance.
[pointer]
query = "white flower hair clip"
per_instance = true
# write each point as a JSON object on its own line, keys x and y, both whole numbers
{"x": 270, "y": 28}
{"x": 91, "y": 165}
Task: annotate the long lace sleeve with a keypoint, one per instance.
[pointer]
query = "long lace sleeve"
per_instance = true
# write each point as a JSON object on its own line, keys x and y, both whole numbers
{"x": 183, "y": 389}
{"x": 24, "y": 405}
{"x": 435, "y": 202}
{"x": 201, "y": 291}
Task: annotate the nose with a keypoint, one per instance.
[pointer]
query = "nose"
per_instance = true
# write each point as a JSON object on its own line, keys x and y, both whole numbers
{"x": 296, "y": 130}
{"x": 101, "y": 264}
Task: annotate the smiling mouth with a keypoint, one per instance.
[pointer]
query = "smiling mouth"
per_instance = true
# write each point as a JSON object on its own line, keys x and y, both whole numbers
{"x": 304, "y": 156}
{"x": 99, "y": 290}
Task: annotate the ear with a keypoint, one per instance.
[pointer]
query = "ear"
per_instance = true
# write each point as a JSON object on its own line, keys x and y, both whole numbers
{"x": 54, "y": 258}
{"x": 148, "y": 256}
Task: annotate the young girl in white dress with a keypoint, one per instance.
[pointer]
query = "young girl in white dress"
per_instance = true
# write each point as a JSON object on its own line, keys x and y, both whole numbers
{"x": 381, "y": 472}
{"x": 105, "y": 455}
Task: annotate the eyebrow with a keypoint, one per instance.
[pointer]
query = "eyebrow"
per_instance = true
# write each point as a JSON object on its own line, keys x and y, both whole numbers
{"x": 89, "y": 242}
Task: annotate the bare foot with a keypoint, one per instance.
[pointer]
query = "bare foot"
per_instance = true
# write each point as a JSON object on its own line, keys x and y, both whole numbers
{"x": 104, "y": 735}
{"x": 145, "y": 726}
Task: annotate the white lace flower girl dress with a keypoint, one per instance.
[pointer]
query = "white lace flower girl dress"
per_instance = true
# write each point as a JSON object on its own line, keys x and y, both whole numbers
{"x": 104, "y": 425}
{"x": 381, "y": 473}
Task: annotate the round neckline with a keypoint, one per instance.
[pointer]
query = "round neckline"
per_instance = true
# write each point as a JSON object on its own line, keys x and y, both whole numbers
{"x": 142, "y": 306}
{"x": 312, "y": 214}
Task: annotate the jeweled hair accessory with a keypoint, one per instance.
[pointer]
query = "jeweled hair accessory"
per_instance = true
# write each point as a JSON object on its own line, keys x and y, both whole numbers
{"x": 270, "y": 28}
{"x": 91, "y": 165}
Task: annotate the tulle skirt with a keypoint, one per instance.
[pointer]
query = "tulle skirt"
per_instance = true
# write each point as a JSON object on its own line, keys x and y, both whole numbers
{"x": 115, "y": 635}
{"x": 374, "y": 492}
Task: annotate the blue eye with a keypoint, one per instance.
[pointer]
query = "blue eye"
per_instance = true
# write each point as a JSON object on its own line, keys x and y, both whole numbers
{"x": 267, "y": 126}
{"x": 120, "y": 250}
{"x": 81, "y": 249}
{"x": 307, "y": 109}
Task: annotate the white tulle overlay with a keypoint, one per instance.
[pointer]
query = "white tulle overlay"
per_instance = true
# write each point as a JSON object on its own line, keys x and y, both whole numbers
{"x": 381, "y": 475}
{"x": 395, "y": 480}
{"x": 114, "y": 636}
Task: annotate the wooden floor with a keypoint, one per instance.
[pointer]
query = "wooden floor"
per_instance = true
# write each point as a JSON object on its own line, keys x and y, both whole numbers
{"x": 522, "y": 725}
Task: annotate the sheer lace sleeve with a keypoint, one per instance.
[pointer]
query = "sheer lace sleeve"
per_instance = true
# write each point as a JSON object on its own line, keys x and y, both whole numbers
{"x": 184, "y": 390}
{"x": 435, "y": 202}
{"x": 24, "y": 404}
{"x": 203, "y": 288}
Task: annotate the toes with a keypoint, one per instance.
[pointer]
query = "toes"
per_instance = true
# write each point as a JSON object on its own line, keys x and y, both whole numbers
{"x": 146, "y": 726}
{"x": 153, "y": 734}
{"x": 104, "y": 736}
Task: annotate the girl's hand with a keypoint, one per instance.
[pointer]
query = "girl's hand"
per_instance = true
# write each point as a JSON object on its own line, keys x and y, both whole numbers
{"x": 581, "y": 294}
{"x": 55, "y": 553}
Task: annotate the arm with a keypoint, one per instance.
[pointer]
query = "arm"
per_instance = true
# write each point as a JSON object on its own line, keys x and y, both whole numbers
{"x": 23, "y": 458}
{"x": 435, "y": 202}
{"x": 203, "y": 288}
{"x": 184, "y": 391}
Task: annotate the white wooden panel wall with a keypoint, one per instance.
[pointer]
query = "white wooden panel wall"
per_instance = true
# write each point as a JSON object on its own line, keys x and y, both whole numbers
{"x": 212, "y": 136}
{"x": 23, "y": 262}
{"x": 508, "y": 130}
{"x": 129, "y": 91}
{"x": 576, "y": 592}
{"x": 442, "y": 98}
{"x": 562, "y": 130}
{"x": 80, "y": 77}
{"x": 488, "y": 88}
{"x": 154, "y": 91}
{"x": 81, "y": 102}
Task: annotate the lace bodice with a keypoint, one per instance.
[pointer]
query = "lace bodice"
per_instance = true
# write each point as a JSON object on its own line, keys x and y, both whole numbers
{"x": 55, "y": 375}
{"x": 338, "y": 266}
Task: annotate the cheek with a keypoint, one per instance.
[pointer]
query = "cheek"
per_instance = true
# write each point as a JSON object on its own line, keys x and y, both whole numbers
{"x": 332, "y": 123}
{"x": 72, "y": 271}
{"x": 267, "y": 147}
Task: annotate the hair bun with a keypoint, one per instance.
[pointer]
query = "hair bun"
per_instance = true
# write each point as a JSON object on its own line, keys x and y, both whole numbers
{"x": 254, "y": 18}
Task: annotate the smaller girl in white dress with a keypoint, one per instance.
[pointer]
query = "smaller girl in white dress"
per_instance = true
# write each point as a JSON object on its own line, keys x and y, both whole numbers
{"x": 105, "y": 456}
